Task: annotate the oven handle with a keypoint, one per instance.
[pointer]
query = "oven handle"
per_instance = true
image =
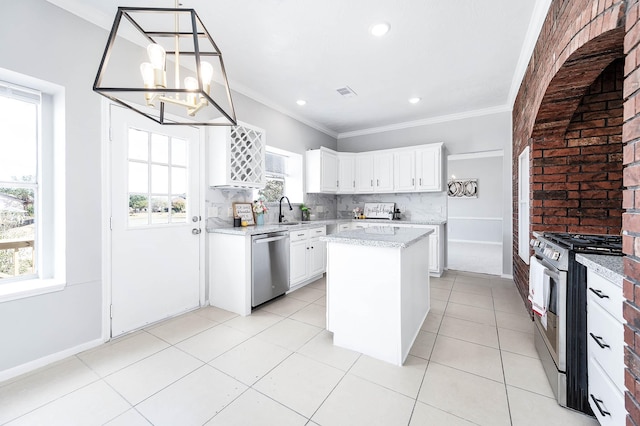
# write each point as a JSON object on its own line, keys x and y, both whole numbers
{"x": 552, "y": 274}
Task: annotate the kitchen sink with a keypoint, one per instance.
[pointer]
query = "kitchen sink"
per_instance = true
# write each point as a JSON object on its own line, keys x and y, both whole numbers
{"x": 288, "y": 223}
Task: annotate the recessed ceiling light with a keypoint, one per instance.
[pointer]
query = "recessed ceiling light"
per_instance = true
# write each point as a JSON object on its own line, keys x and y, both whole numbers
{"x": 414, "y": 100}
{"x": 380, "y": 29}
{"x": 301, "y": 102}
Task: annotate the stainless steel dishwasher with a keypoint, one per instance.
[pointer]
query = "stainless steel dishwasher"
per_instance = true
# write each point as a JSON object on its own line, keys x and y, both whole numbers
{"x": 269, "y": 266}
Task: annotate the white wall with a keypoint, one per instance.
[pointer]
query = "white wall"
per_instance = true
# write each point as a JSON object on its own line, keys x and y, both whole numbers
{"x": 42, "y": 41}
{"x": 477, "y": 219}
{"x": 488, "y": 132}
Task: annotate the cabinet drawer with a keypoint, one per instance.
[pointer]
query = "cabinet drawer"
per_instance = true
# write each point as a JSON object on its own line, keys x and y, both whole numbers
{"x": 605, "y": 337}
{"x": 606, "y": 401}
{"x": 606, "y": 294}
{"x": 344, "y": 227}
{"x": 298, "y": 235}
{"x": 317, "y": 232}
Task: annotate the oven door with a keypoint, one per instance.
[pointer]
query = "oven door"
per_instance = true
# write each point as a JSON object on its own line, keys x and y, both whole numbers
{"x": 554, "y": 333}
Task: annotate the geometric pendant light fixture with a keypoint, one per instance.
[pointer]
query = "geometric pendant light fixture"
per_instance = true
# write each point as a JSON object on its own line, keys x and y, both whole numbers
{"x": 163, "y": 64}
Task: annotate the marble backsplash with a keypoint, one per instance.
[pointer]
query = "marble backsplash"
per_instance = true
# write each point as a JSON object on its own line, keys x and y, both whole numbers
{"x": 219, "y": 201}
{"x": 417, "y": 206}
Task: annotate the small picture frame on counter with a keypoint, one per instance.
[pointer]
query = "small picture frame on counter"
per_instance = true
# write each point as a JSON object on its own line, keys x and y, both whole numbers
{"x": 245, "y": 212}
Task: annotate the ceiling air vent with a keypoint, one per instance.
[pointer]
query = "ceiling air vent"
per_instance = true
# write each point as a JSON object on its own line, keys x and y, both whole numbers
{"x": 346, "y": 91}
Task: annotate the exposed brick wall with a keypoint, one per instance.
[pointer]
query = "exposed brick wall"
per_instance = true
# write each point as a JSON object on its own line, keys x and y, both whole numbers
{"x": 577, "y": 178}
{"x": 631, "y": 218}
{"x": 578, "y": 40}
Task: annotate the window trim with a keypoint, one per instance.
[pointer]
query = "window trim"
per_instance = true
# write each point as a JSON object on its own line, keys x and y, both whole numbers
{"x": 52, "y": 187}
{"x": 523, "y": 205}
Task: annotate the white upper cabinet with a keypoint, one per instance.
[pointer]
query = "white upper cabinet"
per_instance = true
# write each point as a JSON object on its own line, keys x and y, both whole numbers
{"x": 429, "y": 168}
{"x": 364, "y": 173}
{"x": 383, "y": 171}
{"x": 412, "y": 169}
{"x": 404, "y": 167}
{"x": 236, "y": 156}
{"x": 346, "y": 173}
{"x": 321, "y": 170}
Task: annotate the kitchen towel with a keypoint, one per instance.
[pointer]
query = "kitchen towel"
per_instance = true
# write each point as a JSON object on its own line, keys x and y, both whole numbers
{"x": 538, "y": 289}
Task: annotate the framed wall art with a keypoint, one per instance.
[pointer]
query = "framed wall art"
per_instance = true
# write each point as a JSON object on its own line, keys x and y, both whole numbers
{"x": 466, "y": 188}
{"x": 245, "y": 212}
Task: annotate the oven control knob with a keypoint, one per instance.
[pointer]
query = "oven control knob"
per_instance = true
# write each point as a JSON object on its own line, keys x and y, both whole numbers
{"x": 534, "y": 243}
{"x": 555, "y": 255}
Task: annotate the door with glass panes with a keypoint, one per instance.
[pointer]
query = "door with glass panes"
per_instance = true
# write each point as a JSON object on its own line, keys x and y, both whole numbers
{"x": 155, "y": 220}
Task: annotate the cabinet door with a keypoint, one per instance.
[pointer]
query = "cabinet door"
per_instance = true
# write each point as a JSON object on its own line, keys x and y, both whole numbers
{"x": 317, "y": 256}
{"x": 329, "y": 172}
{"x": 364, "y": 173}
{"x": 383, "y": 172}
{"x": 429, "y": 169}
{"x": 346, "y": 174}
{"x": 298, "y": 259}
{"x": 434, "y": 265}
{"x": 404, "y": 170}
{"x": 237, "y": 156}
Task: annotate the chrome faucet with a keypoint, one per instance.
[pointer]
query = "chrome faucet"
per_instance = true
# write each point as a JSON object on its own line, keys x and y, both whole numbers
{"x": 280, "y": 215}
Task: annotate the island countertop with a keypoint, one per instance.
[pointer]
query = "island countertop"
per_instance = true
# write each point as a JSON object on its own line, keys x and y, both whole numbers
{"x": 379, "y": 236}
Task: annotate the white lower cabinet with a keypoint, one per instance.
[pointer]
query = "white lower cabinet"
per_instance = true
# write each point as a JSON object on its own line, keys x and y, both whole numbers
{"x": 307, "y": 255}
{"x": 605, "y": 350}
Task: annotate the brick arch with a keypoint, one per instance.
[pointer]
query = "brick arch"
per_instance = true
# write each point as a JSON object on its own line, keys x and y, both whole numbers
{"x": 568, "y": 85}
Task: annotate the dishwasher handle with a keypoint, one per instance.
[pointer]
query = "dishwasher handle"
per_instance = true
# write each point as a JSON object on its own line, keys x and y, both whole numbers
{"x": 268, "y": 240}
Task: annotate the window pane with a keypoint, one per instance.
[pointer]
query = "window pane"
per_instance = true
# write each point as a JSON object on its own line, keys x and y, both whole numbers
{"x": 160, "y": 209}
{"x": 138, "y": 145}
{"x": 178, "y": 181}
{"x": 178, "y": 152}
{"x": 178, "y": 209}
{"x": 17, "y": 232}
{"x": 159, "y": 179}
{"x": 159, "y": 148}
{"x": 18, "y": 140}
{"x": 138, "y": 177}
{"x": 138, "y": 210}
{"x": 275, "y": 163}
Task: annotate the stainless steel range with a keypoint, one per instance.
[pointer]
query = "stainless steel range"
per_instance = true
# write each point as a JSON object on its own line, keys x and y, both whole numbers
{"x": 562, "y": 341}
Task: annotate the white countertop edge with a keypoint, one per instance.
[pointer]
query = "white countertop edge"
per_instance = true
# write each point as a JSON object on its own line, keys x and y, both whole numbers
{"x": 610, "y": 267}
{"x": 274, "y": 227}
{"x": 363, "y": 237}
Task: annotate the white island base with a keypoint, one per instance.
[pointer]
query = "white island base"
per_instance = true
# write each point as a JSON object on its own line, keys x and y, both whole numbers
{"x": 377, "y": 297}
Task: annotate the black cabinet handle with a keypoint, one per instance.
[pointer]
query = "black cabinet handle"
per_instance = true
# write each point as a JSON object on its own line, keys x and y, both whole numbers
{"x": 598, "y": 293}
{"x": 598, "y": 340}
{"x": 598, "y": 402}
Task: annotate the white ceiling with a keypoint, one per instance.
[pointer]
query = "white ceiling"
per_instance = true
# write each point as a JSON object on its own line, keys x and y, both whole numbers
{"x": 462, "y": 57}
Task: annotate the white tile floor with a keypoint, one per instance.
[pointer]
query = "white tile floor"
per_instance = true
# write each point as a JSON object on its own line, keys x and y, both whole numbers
{"x": 472, "y": 363}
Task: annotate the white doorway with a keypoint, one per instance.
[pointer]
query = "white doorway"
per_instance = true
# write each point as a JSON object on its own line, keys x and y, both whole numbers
{"x": 156, "y": 226}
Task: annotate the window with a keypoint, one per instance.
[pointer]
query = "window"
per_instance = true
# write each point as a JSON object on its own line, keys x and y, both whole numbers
{"x": 19, "y": 182}
{"x": 157, "y": 179}
{"x": 523, "y": 205}
{"x": 32, "y": 187}
{"x": 283, "y": 176}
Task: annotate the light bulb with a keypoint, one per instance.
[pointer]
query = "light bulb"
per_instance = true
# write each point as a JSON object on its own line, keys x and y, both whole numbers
{"x": 157, "y": 55}
{"x": 146, "y": 69}
{"x": 206, "y": 73}
{"x": 191, "y": 83}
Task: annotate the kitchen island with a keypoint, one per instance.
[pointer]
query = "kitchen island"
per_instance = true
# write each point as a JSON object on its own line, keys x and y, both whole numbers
{"x": 378, "y": 289}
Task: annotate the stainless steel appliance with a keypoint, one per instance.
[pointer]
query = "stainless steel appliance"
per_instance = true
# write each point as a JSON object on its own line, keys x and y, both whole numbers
{"x": 562, "y": 344}
{"x": 269, "y": 266}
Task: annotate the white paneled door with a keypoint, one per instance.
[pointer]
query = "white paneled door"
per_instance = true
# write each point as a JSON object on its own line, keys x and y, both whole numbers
{"x": 155, "y": 222}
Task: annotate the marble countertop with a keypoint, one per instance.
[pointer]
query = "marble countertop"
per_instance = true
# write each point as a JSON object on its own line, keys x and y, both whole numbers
{"x": 610, "y": 267}
{"x": 379, "y": 236}
{"x": 275, "y": 227}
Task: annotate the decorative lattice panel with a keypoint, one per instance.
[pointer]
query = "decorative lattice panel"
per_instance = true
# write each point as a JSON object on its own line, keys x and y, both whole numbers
{"x": 247, "y": 156}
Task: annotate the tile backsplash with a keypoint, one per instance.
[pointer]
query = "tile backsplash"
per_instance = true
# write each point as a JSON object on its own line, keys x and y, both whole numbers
{"x": 219, "y": 201}
{"x": 413, "y": 206}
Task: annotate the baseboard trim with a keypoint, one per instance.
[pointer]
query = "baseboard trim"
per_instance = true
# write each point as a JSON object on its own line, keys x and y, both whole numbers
{"x": 49, "y": 359}
{"x": 507, "y": 276}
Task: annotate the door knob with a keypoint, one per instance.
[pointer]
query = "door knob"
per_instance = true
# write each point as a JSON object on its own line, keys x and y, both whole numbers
{"x": 196, "y": 231}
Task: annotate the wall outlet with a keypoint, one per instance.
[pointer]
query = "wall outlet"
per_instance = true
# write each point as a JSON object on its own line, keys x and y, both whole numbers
{"x": 320, "y": 209}
{"x": 230, "y": 212}
{"x": 213, "y": 212}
